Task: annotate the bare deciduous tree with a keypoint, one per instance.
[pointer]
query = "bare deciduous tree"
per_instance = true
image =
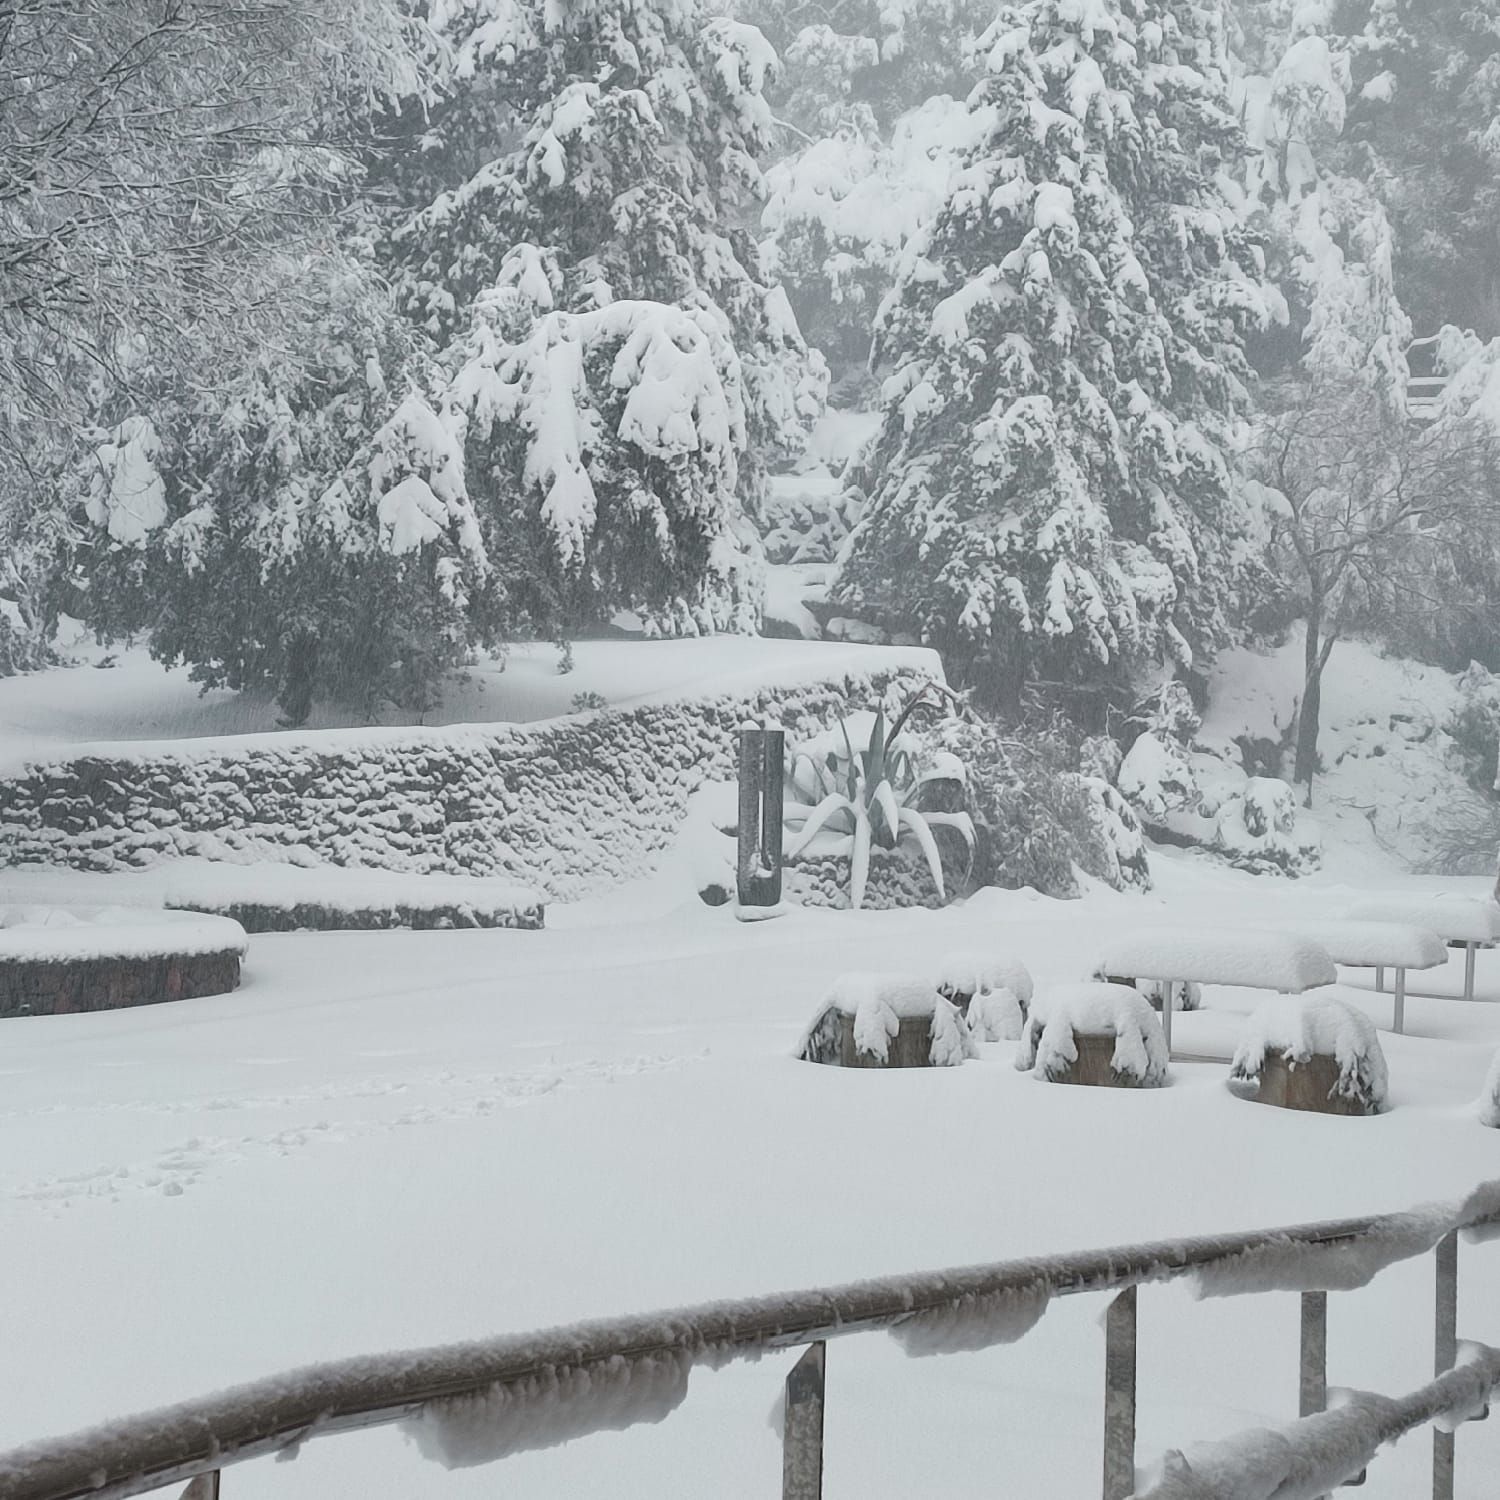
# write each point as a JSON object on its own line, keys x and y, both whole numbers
{"x": 1364, "y": 508}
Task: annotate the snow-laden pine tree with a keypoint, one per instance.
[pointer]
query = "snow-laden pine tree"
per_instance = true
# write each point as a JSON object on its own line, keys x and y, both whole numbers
{"x": 1049, "y": 492}
{"x": 247, "y": 544}
{"x": 1331, "y": 248}
{"x": 626, "y": 137}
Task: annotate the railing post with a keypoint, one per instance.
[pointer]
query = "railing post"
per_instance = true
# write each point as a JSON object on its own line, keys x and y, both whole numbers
{"x": 1445, "y": 1355}
{"x": 204, "y": 1487}
{"x": 1119, "y": 1397}
{"x": 1312, "y": 1395}
{"x": 802, "y": 1427}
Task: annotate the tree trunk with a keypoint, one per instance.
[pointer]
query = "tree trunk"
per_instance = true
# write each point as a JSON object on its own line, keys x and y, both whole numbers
{"x": 1312, "y": 702}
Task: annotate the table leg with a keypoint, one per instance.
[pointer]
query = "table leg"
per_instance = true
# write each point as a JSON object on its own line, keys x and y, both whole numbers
{"x": 1168, "y": 986}
{"x": 1468, "y": 971}
{"x": 1379, "y": 978}
{"x": 1400, "y": 1009}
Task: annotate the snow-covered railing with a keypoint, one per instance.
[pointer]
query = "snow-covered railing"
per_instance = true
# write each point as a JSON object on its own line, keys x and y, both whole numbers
{"x": 476, "y": 1402}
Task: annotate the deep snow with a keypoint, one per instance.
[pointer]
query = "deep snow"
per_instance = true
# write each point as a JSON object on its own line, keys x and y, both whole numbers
{"x": 393, "y": 1139}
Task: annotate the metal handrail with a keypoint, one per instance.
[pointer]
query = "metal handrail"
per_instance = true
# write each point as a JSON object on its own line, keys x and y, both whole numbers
{"x": 203, "y": 1436}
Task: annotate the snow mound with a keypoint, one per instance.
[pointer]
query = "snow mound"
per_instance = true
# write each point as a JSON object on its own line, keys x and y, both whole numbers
{"x": 877, "y": 1004}
{"x": 1364, "y": 945}
{"x": 1453, "y": 918}
{"x": 49, "y": 934}
{"x": 1302, "y": 1028}
{"x": 1058, "y": 1015}
{"x": 999, "y": 993}
{"x": 405, "y": 899}
{"x": 1254, "y": 958}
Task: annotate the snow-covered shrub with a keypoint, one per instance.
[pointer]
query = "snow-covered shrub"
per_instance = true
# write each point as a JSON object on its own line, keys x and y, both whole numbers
{"x": 994, "y": 993}
{"x": 1489, "y": 1096}
{"x": 867, "y": 1012}
{"x": 1475, "y": 726}
{"x": 1156, "y": 775}
{"x": 862, "y": 786}
{"x": 1060, "y": 1015}
{"x": 1299, "y": 1028}
{"x": 1037, "y": 821}
{"x": 1261, "y": 830}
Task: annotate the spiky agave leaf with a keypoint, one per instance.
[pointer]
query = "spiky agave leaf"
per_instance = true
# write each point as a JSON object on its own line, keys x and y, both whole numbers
{"x": 833, "y": 803}
{"x": 916, "y": 825}
{"x": 859, "y": 858}
{"x": 885, "y": 800}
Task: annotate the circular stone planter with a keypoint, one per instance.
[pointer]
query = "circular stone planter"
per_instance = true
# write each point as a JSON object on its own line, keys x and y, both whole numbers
{"x": 886, "y": 1021}
{"x": 1311, "y": 1053}
{"x": 56, "y": 962}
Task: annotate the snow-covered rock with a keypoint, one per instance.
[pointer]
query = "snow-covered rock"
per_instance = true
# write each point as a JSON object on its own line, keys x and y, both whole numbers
{"x": 1060, "y": 1015}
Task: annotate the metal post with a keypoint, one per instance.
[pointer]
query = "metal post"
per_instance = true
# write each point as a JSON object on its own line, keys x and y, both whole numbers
{"x": 1379, "y": 978}
{"x": 802, "y": 1427}
{"x": 1119, "y": 1397}
{"x": 1168, "y": 986}
{"x": 204, "y": 1487}
{"x": 1468, "y": 971}
{"x": 1445, "y": 1355}
{"x": 748, "y": 850}
{"x": 1313, "y": 1382}
{"x": 773, "y": 812}
{"x": 1400, "y": 1012}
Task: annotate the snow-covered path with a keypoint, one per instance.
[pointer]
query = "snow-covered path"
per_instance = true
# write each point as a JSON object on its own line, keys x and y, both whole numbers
{"x": 393, "y": 1139}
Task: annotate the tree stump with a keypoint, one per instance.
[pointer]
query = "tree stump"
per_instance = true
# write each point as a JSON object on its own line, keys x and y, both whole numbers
{"x": 1312, "y": 1084}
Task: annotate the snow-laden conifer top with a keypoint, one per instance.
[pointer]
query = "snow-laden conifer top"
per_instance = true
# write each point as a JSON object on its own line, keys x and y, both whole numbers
{"x": 1453, "y": 917}
{"x": 50, "y": 934}
{"x": 1255, "y": 958}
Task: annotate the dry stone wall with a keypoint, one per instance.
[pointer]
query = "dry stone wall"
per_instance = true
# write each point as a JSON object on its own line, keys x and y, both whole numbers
{"x": 568, "y": 805}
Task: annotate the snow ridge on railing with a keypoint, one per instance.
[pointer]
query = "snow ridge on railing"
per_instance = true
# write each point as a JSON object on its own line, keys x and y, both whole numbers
{"x": 476, "y": 1402}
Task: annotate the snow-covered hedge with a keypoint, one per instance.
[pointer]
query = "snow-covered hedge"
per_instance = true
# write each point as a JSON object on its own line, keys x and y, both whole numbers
{"x": 568, "y": 805}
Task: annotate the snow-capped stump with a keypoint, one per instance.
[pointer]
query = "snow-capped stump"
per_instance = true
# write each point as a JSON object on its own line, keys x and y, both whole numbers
{"x": 991, "y": 994}
{"x": 1099, "y": 1034}
{"x": 887, "y": 1021}
{"x": 291, "y": 898}
{"x": 1314, "y": 1053}
{"x": 54, "y": 962}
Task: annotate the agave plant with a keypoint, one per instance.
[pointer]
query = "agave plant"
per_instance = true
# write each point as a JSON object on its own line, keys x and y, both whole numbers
{"x": 869, "y": 797}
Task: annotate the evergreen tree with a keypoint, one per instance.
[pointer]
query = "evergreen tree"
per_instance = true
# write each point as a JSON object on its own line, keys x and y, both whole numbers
{"x": 632, "y": 137}
{"x": 1424, "y": 123}
{"x": 1050, "y": 493}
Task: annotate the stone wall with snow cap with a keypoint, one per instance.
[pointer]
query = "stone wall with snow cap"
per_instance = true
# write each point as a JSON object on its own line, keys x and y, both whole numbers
{"x": 569, "y": 805}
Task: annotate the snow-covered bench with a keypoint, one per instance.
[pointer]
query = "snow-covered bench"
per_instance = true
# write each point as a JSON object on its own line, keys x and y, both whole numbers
{"x": 1379, "y": 946}
{"x": 1094, "y": 1034}
{"x": 1242, "y": 956}
{"x": 1458, "y": 921}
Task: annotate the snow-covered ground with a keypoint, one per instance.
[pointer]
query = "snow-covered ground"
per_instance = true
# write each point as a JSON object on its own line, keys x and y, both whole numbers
{"x": 395, "y": 1138}
{"x": 122, "y": 694}
{"x": 1389, "y": 767}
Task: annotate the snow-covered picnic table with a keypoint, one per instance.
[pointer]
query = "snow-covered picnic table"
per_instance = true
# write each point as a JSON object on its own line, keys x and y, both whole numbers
{"x": 1251, "y": 958}
{"x": 1380, "y": 946}
{"x": 1458, "y": 921}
